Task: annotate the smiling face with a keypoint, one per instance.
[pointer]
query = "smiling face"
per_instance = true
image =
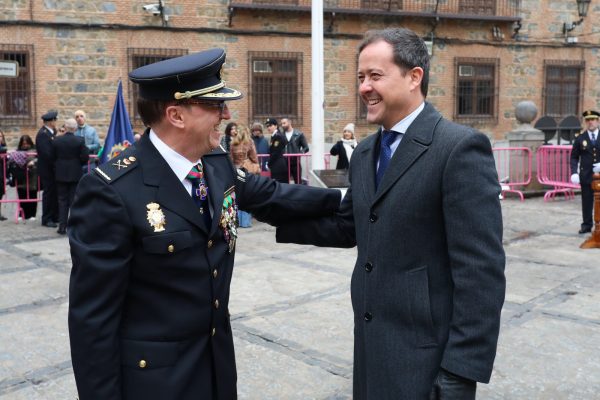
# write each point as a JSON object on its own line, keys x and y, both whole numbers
{"x": 389, "y": 92}
{"x": 199, "y": 127}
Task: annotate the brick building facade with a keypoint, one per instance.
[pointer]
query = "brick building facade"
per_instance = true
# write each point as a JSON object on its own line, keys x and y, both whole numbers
{"x": 487, "y": 56}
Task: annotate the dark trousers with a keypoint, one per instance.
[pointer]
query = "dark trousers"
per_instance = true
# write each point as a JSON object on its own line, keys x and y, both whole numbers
{"x": 587, "y": 205}
{"x": 49, "y": 199}
{"x": 66, "y": 193}
{"x": 29, "y": 208}
{"x": 296, "y": 169}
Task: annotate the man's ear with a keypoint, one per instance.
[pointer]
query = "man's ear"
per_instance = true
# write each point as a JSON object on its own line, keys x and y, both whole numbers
{"x": 416, "y": 77}
{"x": 174, "y": 115}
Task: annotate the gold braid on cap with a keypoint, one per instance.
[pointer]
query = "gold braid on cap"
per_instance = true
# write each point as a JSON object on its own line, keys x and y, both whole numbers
{"x": 191, "y": 93}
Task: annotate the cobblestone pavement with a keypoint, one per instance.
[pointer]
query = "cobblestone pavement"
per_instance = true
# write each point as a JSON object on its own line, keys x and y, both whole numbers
{"x": 292, "y": 317}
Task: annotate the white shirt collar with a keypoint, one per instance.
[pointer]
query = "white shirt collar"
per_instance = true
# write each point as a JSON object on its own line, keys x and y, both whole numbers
{"x": 180, "y": 165}
{"x": 403, "y": 125}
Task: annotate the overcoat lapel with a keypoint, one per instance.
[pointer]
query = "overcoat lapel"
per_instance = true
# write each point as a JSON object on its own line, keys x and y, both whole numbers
{"x": 216, "y": 190}
{"x": 368, "y": 163}
{"x": 415, "y": 142}
{"x": 170, "y": 192}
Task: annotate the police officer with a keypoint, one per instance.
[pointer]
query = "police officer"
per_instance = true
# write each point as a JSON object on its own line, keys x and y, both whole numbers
{"x": 152, "y": 235}
{"x": 278, "y": 163}
{"x": 69, "y": 153}
{"x": 43, "y": 145}
{"x": 586, "y": 153}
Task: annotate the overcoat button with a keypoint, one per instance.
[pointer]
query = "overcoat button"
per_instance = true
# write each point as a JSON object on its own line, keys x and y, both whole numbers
{"x": 210, "y": 244}
{"x": 142, "y": 364}
{"x": 215, "y": 273}
{"x": 368, "y": 316}
{"x": 373, "y": 217}
{"x": 212, "y": 333}
{"x": 171, "y": 248}
{"x": 217, "y": 303}
{"x": 368, "y": 267}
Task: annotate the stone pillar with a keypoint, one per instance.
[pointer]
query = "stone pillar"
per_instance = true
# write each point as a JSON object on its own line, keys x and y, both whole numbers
{"x": 526, "y": 135}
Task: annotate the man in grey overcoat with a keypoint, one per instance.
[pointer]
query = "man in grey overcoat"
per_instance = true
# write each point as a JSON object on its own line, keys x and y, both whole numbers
{"x": 423, "y": 209}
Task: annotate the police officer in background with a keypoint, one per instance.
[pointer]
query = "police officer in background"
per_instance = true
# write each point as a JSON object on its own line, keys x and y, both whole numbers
{"x": 43, "y": 146}
{"x": 69, "y": 153}
{"x": 152, "y": 235}
{"x": 278, "y": 163}
{"x": 586, "y": 153}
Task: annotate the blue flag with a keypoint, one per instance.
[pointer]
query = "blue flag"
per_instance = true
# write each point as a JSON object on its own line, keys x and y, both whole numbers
{"x": 120, "y": 134}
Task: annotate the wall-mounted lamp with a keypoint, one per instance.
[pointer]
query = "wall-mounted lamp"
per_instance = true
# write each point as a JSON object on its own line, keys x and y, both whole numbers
{"x": 429, "y": 43}
{"x": 582, "y": 9}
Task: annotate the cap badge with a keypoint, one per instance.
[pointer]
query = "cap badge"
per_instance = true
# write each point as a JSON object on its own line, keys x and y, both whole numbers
{"x": 155, "y": 217}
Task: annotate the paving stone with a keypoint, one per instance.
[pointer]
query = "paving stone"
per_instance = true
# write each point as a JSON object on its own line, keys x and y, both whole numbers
{"x": 30, "y": 286}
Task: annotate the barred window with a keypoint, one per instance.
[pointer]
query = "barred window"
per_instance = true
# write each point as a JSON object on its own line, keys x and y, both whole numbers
{"x": 477, "y": 7}
{"x": 562, "y": 88}
{"x": 476, "y": 88}
{"x": 138, "y": 57}
{"x": 17, "y": 95}
{"x": 275, "y": 85}
{"x": 388, "y": 5}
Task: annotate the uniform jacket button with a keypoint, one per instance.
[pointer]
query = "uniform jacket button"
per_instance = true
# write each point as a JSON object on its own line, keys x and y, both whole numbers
{"x": 210, "y": 244}
{"x": 142, "y": 364}
{"x": 368, "y": 316}
{"x": 215, "y": 273}
{"x": 368, "y": 267}
{"x": 171, "y": 248}
{"x": 212, "y": 333}
{"x": 373, "y": 217}
{"x": 217, "y": 303}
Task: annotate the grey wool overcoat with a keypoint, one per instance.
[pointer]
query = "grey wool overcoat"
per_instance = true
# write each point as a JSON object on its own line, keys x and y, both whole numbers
{"x": 428, "y": 284}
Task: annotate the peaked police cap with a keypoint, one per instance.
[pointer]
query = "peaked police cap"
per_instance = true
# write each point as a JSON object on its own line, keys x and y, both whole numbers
{"x": 196, "y": 75}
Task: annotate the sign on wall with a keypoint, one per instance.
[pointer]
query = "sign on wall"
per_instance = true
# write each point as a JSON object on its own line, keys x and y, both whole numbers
{"x": 9, "y": 69}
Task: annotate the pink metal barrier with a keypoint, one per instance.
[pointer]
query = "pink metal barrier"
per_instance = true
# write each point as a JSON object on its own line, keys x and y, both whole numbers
{"x": 302, "y": 160}
{"x": 553, "y": 167}
{"x": 514, "y": 169}
{"x": 29, "y": 186}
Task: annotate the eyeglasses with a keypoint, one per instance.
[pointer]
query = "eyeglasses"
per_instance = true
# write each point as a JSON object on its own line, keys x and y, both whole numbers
{"x": 220, "y": 105}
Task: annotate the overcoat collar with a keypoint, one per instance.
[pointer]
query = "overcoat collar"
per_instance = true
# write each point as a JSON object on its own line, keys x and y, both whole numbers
{"x": 415, "y": 142}
{"x": 170, "y": 194}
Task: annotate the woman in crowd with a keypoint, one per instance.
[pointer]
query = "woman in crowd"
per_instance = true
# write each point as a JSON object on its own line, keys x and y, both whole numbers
{"x": 344, "y": 148}
{"x": 230, "y": 132}
{"x": 23, "y": 168}
{"x": 243, "y": 154}
{"x": 3, "y": 166}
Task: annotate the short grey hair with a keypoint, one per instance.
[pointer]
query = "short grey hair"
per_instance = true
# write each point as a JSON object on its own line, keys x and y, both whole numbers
{"x": 71, "y": 125}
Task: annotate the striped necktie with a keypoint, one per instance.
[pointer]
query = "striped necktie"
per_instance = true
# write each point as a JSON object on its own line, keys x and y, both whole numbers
{"x": 385, "y": 153}
{"x": 200, "y": 191}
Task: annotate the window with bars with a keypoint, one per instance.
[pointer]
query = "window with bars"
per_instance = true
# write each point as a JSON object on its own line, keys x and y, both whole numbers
{"x": 275, "y": 85}
{"x": 563, "y": 88}
{"x": 17, "y": 94}
{"x": 477, "y": 7}
{"x": 389, "y": 5}
{"x": 476, "y": 88}
{"x": 138, "y": 58}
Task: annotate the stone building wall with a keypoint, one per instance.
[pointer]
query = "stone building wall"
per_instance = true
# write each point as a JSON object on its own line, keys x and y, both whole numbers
{"x": 80, "y": 52}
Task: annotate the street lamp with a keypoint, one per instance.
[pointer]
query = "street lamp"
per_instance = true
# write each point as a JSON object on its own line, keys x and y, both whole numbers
{"x": 582, "y": 9}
